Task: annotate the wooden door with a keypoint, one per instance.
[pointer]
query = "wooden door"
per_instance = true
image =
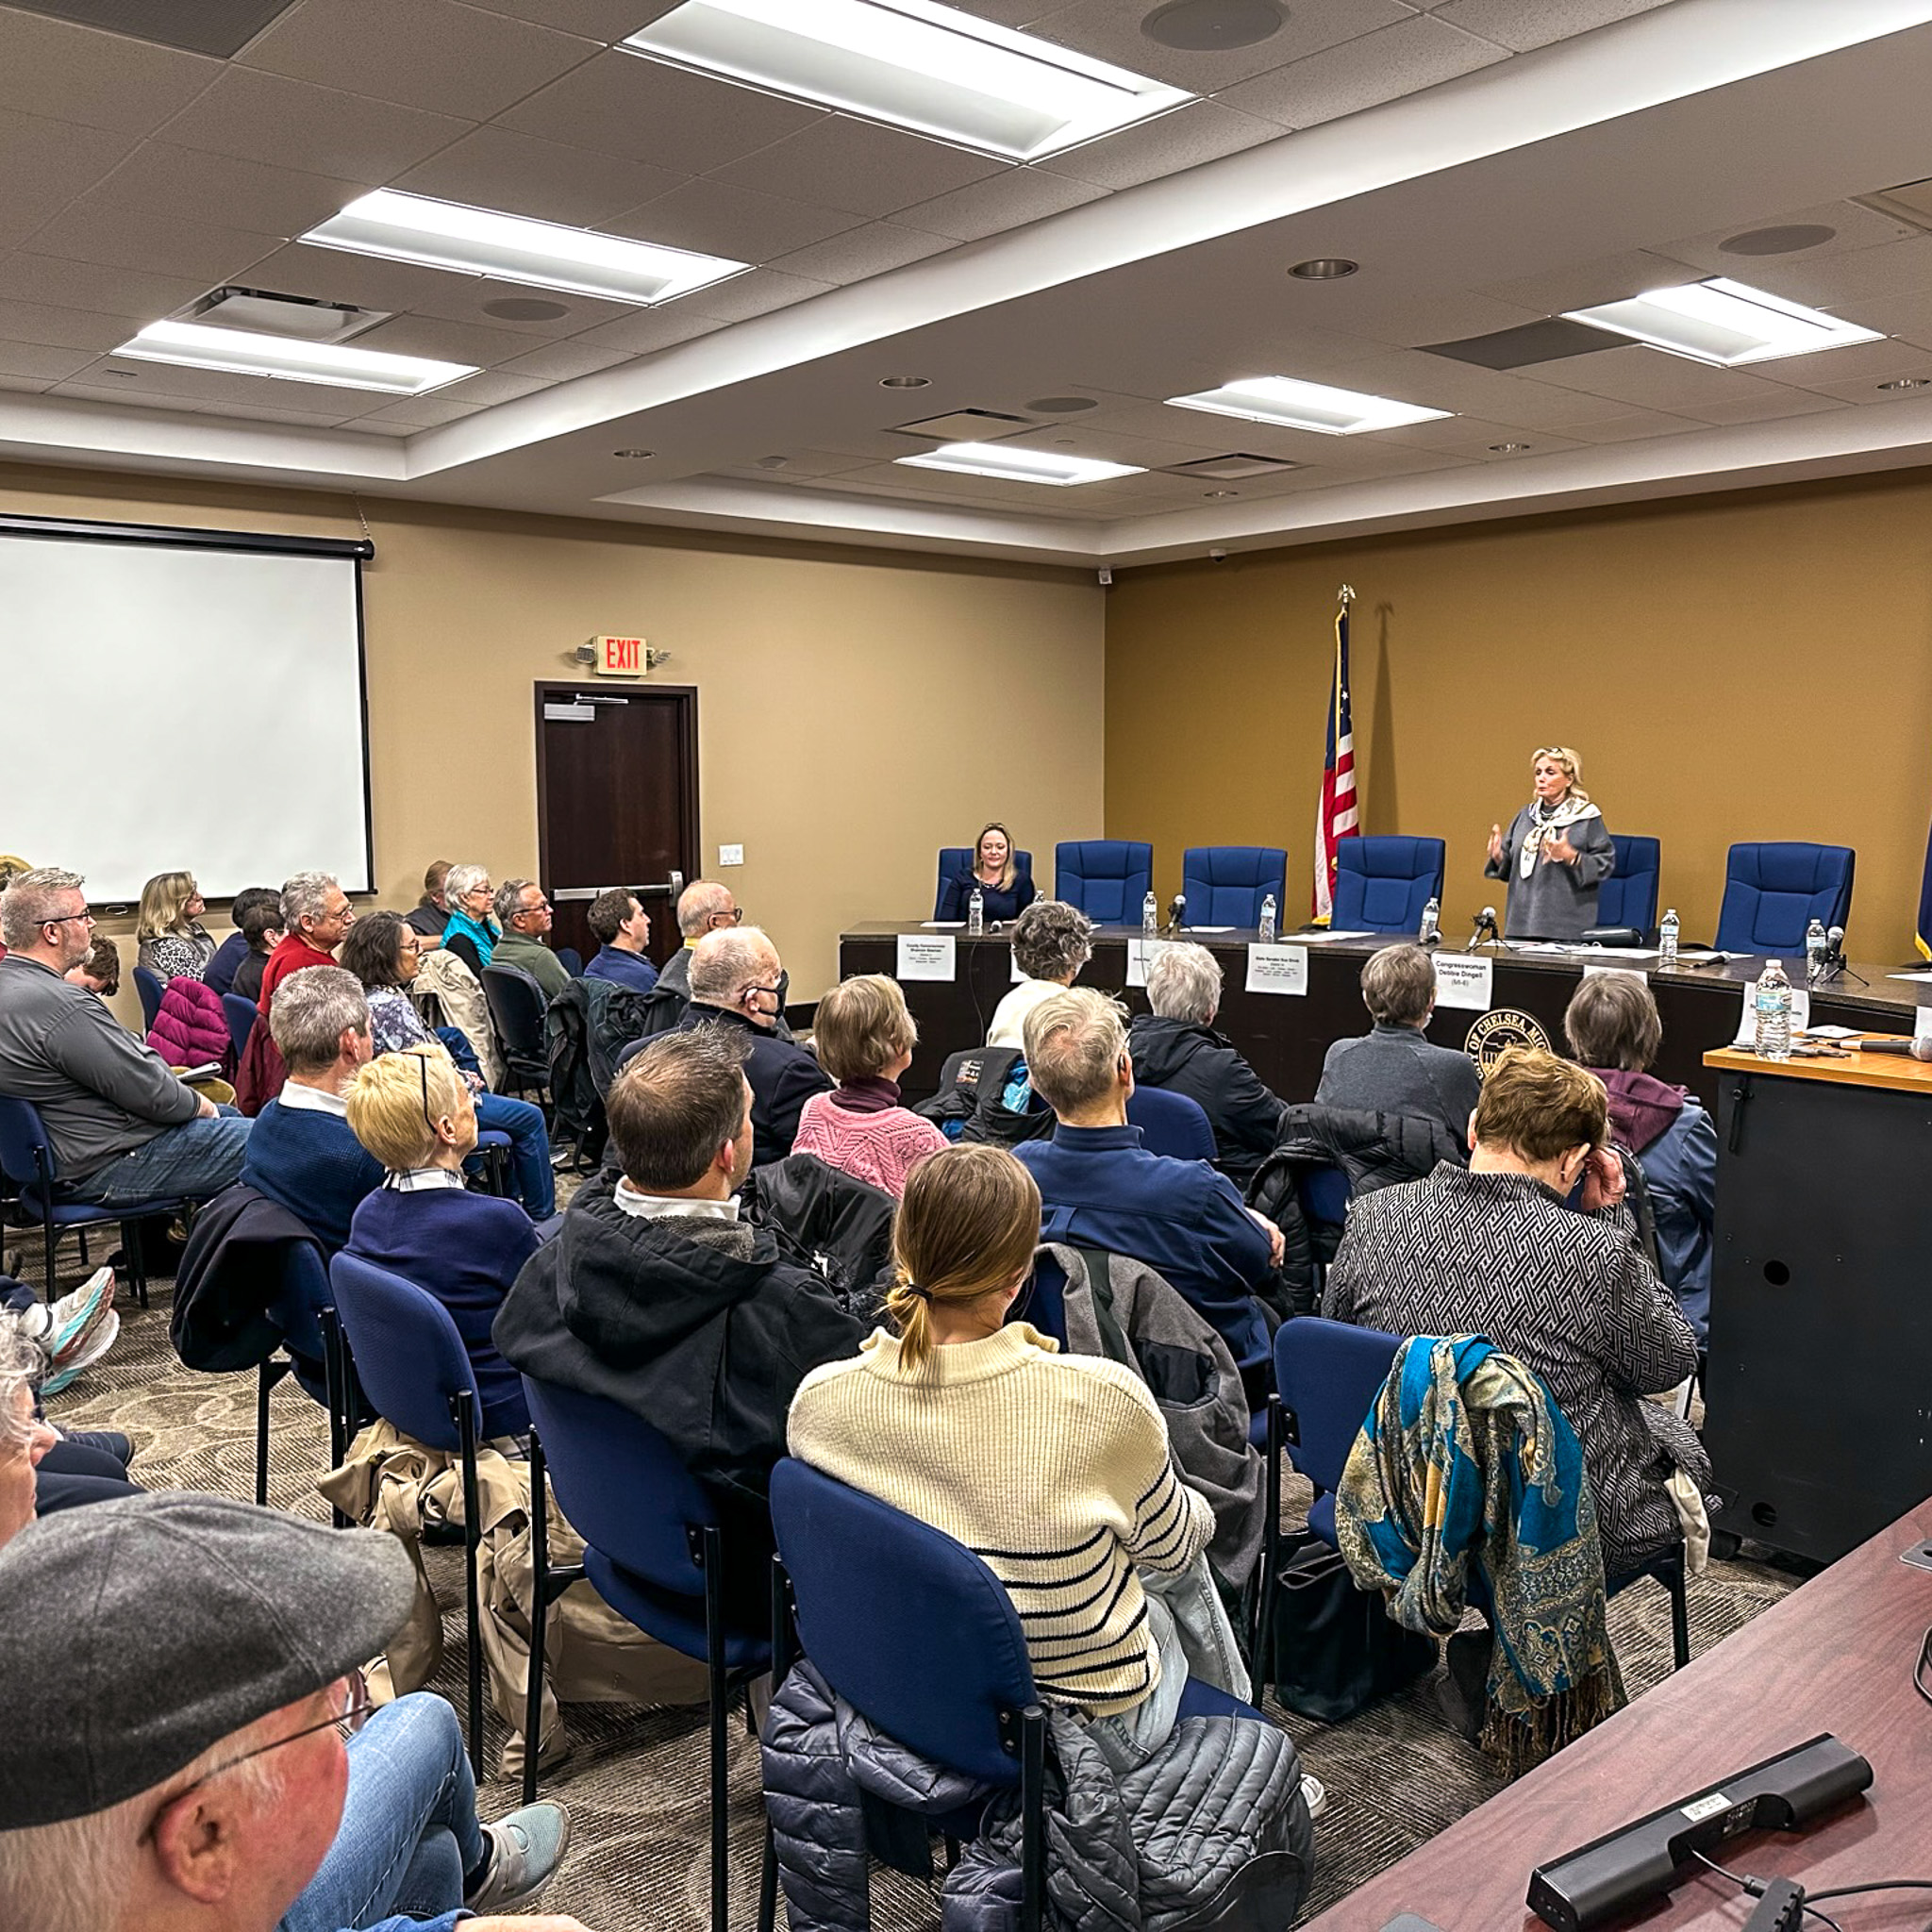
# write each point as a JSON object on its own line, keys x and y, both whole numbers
{"x": 617, "y": 802}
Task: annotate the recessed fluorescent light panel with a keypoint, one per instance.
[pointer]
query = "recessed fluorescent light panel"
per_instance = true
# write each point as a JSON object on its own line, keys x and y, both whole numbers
{"x": 1724, "y": 323}
{"x": 914, "y": 64}
{"x": 240, "y": 352}
{"x": 1011, "y": 465}
{"x": 1290, "y": 404}
{"x": 509, "y": 248}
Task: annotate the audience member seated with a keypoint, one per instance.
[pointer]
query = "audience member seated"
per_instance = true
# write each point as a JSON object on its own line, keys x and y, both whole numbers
{"x": 43, "y": 1471}
{"x": 1614, "y": 1028}
{"x": 316, "y": 917}
{"x": 173, "y": 943}
{"x": 525, "y": 916}
{"x": 1491, "y": 1250}
{"x": 469, "y": 932}
{"x": 703, "y": 907}
{"x": 1052, "y": 940}
{"x": 1104, "y": 1190}
{"x": 100, "y": 972}
{"x": 235, "y": 948}
{"x": 1392, "y": 1068}
{"x": 302, "y": 1153}
{"x": 261, "y": 931}
{"x": 865, "y": 1036}
{"x": 656, "y": 1294}
{"x": 413, "y": 1112}
{"x": 72, "y": 1333}
{"x": 623, "y": 929}
{"x": 1055, "y": 1469}
{"x": 1005, "y": 891}
{"x": 124, "y": 1129}
{"x": 1175, "y": 1047}
{"x": 431, "y": 913}
{"x": 384, "y": 952}
{"x": 194, "y": 1775}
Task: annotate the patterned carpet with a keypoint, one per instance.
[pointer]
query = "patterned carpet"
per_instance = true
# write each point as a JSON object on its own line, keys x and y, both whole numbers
{"x": 636, "y": 1782}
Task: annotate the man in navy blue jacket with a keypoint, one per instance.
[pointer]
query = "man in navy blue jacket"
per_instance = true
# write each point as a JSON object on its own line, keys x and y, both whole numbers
{"x": 1102, "y": 1188}
{"x": 623, "y": 930}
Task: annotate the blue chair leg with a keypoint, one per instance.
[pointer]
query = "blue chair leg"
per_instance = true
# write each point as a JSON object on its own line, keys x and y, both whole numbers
{"x": 473, "y": 1538}
{"x": 548, "y": 1584}
{"x": 1671, "y": 1577}
{"x": 270, "y": 1372}
{"x": 711, "y": 1560}
{"x": 782, "y": 1663}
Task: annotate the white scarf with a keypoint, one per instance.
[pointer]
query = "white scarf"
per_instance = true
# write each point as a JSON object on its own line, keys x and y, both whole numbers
{"x": 1570, "y": 810}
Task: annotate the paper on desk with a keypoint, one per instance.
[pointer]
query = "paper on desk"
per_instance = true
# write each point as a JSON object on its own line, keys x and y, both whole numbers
{"x": 1747, "y": 1019}
{"x": 1322, "y": 938}
{"x": 942, "y": 925}
{"x": 1922, "y": 977}
{"x": 1835, "y": 1032}
{"x": 1277, "y": 969}
{"x": 1208, "y": 928}
{"x": 1623, "y": 952}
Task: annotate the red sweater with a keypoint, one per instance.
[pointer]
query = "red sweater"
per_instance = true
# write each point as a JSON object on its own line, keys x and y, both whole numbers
{"x": 290, "y": 956}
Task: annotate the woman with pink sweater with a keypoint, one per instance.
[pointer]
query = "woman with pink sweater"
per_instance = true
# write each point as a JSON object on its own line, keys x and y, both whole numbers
{"x": 864, "y": 1039}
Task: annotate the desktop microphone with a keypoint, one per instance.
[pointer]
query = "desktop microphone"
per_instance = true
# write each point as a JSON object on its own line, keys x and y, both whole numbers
{"x": 1485, "y": 927}
{"x": 1835, "y": 947}
{"x": 1919, "y": 1049}
{"x": 1178, "y": 912}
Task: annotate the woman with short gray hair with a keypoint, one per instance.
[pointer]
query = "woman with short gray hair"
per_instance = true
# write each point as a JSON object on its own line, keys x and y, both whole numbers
{"x": 1393, "y": 1068}
{"x": 1052, "y": 940}
{"x": 469, "y": 932}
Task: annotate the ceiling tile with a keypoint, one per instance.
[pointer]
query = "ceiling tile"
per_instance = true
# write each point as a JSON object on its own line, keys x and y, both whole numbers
{"x": 497, "y": 168}
{"x": 598, "y": 19}
{"x": 1201, "y": 131}
{"x": 757, "y": 293}
{"x": 1853, "y": 228}
{"x": 619, "y": 104}
{"x": 852, "y": 164}
{"x": 45, "y": 164}
{"x": 1522, "y": 24}
{"x": 650, "y": 329}
{"x": 1005, "y": 201}
{"x": 42, "y": 362}
{"x": 1854, "y": 362}
{"x": 870, "y": 250}
{"x": 433, "y": 54}
{"x": 1590, "y": 284}
{"x": 466, "y": 298}
{"x": 67, "y": 73}
{"x": 1007, "y": 12}
{"x": 268, "y": 117}
{"x": 447, "y": 341}
{"x": 1847, "y": 283}
{"x": 1787, "y": 402}
{"x": 715, "y": 218}
{"x": 1908, "y": 315}
{"x": 60, "y": 329}
{"x": 1631, "y": 426}
{"x": 329, "y": 275}
{"x": 267, "y": 412}
{"x": 1867, "y": 395}
{"x": 1649, "y": 379}
{"x": 396, "y": 431}
{"x": 49, "y": 278}
{"x": 29, "y": 385}
{"x": 1382, "y": 66}
{"x": 221, "y": 386}
{"x": 226, "y": 191}
{"x": 422, "y": 413}
{"x": 495, "y": 387}
{"x": 560, "y": 361}
{"x": 1472, "y": 436}
{"x": 801, "y": 465}
{"x": 95, "y": 231}
{"x": 1413, "y": 317}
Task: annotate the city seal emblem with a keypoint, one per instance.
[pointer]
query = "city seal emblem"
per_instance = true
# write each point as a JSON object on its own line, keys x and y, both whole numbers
{"x": 1498, "y": 1029}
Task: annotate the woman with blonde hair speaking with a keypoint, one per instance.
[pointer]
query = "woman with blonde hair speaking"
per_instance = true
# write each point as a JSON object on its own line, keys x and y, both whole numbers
{"x": 1556, "y": 853}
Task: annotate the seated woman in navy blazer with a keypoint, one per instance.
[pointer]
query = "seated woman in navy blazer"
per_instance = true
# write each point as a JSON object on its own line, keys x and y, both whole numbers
{"x": 1005, "y": 891}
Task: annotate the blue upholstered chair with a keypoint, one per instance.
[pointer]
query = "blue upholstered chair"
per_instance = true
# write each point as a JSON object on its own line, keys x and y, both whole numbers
{"x": 241, "y": 1015}
{"x": 517, "y": 1012}
{"x": 1106, "y": 879}
{"x": 1628, "y": 896}
{"x": 1383, "y": 884}
{"x": 1225, "y": 884}
{"x": 1171, "y": 1124}
{"x": 149, "y": 987}
{"x": 955, "y": 859}
{"x": 1773, "y": 892}
{"x": 572, "y": 961}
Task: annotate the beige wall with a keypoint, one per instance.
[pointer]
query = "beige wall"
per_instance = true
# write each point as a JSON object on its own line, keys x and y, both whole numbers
{"x": 1750, "y": 666}
{"x": 855, "y": 710}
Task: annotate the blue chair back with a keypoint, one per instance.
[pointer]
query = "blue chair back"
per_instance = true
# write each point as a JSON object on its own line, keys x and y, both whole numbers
{"x": 1324, "y": 1192}
{"x": 1628, "y": 896}
{"x": 1042, "y": 1302}
{"x": 240, "y": 1014}
{"x": 1106, "y": 879}
{"x": 1171, "y": 1124}
{"x": 25, "y": 1150}
{"x": 908, "y": 1626}
{"x": 297, "y": 1306}
{"x": 1771, "y": 893}
{"x": 956, "y": 859}
{"x": 410, "y": 1358}
{"x": 572, "y": 961}
{"x": 1225, "y": 884}
{"x": 1383, "y": 884}
{"x": 149, "y": 988}
{"x": 1328, "y": 1373}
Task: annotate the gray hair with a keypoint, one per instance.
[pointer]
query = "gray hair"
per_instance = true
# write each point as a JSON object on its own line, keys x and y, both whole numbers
{"x": 305, "y": 896}
{"x": 1399, "y": 985}
{"x": 697, "y": 903}
{"x": 1074, "y": 1041}
{"x": 460, "y": 879}
{"x": 1612, "y": 1021}
{"x": 1052, "y": 940}
{"x": 28, "y": 902}
{"x": 723, "y": 963}
{"x": 23, "y": 1365}
{"x": 1184, "y": 982}
{"x": 506, "y": 901}
{"x": 310, "y": 1012}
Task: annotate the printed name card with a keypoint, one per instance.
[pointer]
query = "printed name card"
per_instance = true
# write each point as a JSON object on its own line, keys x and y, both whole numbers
{"x": 1141, "y": 953}
{"x": 1747, "y": 1019}
{"x": 1634, "y": 971}
{"x": 1922, "y": 1028}
{"x": 1016, "y": 975}
{"x": 1464, "y": 981}
{"x": 926, "y": 955}
{"x": 1278, "y": 969}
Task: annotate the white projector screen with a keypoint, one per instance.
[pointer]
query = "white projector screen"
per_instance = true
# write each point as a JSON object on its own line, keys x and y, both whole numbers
{"x": 182, "y": 701}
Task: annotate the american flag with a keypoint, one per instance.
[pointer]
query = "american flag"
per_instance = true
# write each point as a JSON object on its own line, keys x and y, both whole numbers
{"x": 1335, "y": 818}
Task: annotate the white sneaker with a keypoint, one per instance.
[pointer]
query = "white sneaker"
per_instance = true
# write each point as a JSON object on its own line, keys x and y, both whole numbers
{"x": 1314, "y": 1794}
{"x": 93, "y": 1348}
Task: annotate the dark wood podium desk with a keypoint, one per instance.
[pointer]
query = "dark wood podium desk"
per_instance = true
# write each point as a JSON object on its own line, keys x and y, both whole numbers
{"x": 1837, "y": 1654}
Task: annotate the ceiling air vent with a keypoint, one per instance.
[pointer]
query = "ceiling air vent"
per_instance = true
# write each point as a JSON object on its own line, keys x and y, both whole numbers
{"x": 965, "y": 425}
{"x": 220, "y": 28}
{"x": 1224, "y": 469}
{"x": 1517, "y": 349}
{"x": 296, "y": 316}
{"x": 1910, "y": 201}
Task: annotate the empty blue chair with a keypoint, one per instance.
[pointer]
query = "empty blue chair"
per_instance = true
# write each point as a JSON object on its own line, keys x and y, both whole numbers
{"x": 1171, "y": 1124}
{"x": 572, "y": 960}
{"x": 1773, "y": 892}
{"x": 416, "y": 1373}
{"x": 241, "y": 1015}
{"x": 1106, "y": 879}
{"x": 1384, "y": 884}
{"x": 1225, "y": 884}
{"x": 149, "y": 988}
{"x": 1628, "y": 896}
{"x": 957, "y": 859}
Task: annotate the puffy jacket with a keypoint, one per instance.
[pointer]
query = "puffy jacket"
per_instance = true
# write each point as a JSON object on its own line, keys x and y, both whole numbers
{"x": 192, "y": 1028}
{"x": 459, "y": 994}
{"x": 837, "y": 1225}
{"x": 1180, "y": 1057}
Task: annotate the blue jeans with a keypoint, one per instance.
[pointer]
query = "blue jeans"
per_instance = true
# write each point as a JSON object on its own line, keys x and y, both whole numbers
{"x": 408, "y": 1833}
{"x": 193, "y": 1161}
{"x": 530, "y": 1149}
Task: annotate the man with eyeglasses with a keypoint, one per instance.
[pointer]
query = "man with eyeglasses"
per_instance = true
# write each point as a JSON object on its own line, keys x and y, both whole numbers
{"x": 525, "y": 915}
{"x": 123, "y": 1129}
{"x": 220, "y": 1767}
{"x": 704, "y": 907}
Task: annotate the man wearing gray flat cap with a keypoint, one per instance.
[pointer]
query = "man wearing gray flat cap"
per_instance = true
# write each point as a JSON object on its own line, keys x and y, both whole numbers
{"x": 188, "y": 1771}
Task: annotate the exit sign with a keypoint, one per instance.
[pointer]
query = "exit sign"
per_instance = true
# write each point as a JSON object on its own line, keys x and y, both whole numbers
{"x": 620, "y": 656}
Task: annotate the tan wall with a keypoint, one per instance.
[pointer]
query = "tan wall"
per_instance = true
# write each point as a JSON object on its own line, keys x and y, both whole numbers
{"x": 1751, "y": 666}
{"x": 950, "y": 693}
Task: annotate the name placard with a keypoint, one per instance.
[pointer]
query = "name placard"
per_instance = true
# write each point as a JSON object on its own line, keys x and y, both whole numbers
{"x": 1141, "y": 953}
{"x": 1747, "y": 1018}
{"x": 926, "y": 955}
{"x": 1278, "y": 969}
{"x": 1465, "y": 982}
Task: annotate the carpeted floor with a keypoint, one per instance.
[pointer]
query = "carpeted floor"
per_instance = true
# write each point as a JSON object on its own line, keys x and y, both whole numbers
{"x": 636, "y": 1781}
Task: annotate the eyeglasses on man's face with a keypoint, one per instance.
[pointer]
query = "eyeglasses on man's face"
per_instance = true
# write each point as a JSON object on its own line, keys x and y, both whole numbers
{"x": 71, "y": 919}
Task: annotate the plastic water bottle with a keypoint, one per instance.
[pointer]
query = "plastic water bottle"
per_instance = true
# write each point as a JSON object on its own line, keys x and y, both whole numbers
{"x": 1431, "y": 927}
{"x": 1150, "y": 917}
{"x": 1773, "y": 1013}
{"x": 1667, "y": 940}
{"x": 1267, "y": 920}
{"x": 975, "y": 911}
{"x": 1814, "y": 950}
